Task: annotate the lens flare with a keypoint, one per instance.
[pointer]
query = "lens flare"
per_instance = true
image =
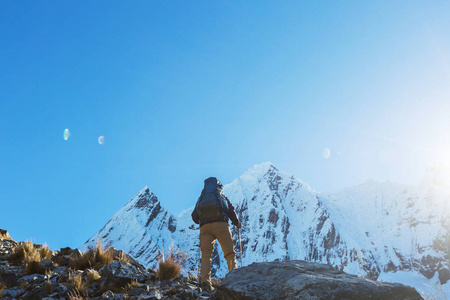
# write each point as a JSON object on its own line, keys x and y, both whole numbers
{"x": 326, "y": 153}
{"x": 101, "y": 140}
{"x": 66, "y": 134}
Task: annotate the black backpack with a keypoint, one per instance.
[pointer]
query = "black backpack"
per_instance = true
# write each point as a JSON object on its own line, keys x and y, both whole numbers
{"x": 211, "y": 204}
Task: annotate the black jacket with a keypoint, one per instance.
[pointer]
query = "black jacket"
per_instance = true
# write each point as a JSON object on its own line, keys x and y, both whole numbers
{"x": 230, "y": 214}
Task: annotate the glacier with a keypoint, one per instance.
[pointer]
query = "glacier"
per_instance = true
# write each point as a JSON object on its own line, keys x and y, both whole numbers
{"x": 383, "y": 231}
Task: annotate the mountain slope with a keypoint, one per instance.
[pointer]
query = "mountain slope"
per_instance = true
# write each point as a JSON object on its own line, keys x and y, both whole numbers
{"x": 140, "y": 228}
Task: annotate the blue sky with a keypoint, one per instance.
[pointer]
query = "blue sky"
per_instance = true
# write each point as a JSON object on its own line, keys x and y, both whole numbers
{"x": 184, "y": 90}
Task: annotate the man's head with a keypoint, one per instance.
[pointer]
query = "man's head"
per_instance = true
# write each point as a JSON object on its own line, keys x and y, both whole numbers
{"x": 214, "y": 181}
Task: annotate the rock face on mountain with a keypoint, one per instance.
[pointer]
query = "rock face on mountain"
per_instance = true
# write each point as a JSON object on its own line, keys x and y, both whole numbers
{"x": 305, "y": 280}
{"x": 140, "y": 228}
{"x": 377, "y": 230}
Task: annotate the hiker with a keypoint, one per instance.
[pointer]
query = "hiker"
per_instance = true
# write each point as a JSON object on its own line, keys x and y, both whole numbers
{"x": 212, "y": 211}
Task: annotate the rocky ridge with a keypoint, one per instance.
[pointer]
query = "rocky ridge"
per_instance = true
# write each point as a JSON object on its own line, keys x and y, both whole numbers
{"x": 123, "y": 278}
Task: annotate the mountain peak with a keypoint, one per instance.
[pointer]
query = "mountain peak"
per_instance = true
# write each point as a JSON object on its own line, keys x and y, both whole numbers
{"x": 261, "y": 169}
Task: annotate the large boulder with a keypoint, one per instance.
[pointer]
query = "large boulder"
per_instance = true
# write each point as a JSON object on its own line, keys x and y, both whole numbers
{"x": 121, "y": 273}
{"x": 8, "y": 279}
{"x": 305, "y": 280}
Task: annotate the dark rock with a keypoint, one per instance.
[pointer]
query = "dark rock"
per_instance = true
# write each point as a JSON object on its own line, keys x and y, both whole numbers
{"x": 61, "y": 260}
{"x": 65, "y": 251}
{"x": 428, "y": 266}
{"x": 35, "y": 294}
{"x": 34, "y": 278}
{"x": 76, "y": 254}
{"x": 59, "y": 270}
{"x": 152, "y": 274}
{"x": 9, "y": 279}
{"x": 120, "y": 255}
{"x": 61, "y": 290}
{"x": 138, "y": 291}
{"x": 12, "y": 293}
{"x": 46, "y": 263}
{"x": 121, "y": 273}
{"x": 153, "y": 295}
{"x": 166, "y": 283}
{"x": 444, "y": 276}
{"x": 187, "y": 295}
{"x": 6, "y": 247}
{"x": 305, "y": 280}
{"x": 108, "y": 295}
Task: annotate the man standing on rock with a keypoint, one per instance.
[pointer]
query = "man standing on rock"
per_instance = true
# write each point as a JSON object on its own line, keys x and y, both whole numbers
{"x": 212, "y": 212}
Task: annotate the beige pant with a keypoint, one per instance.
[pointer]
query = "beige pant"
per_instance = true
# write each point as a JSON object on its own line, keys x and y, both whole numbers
{"x": 208, "y": 235}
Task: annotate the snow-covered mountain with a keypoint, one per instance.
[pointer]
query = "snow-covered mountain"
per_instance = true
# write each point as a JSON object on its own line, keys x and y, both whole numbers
{"x": 380, "y": 230}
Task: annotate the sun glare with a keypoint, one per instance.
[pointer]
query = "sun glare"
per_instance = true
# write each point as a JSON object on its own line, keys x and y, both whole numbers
{"x": 440, "y": 175}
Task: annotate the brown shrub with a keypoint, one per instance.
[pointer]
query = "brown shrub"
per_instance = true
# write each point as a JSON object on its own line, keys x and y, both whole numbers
{"x": 45, "y": 252}
{"x": 31, "y": 262}
{"x": 92, "y": 275}
{"x": 21, "y": 251}
{"x": 76, "y": 283}
{"x": 5, "y": 235}
{"x": 171, "y": 263}
{"x": 75, "y": 295}
{"x": 95, "y": 257}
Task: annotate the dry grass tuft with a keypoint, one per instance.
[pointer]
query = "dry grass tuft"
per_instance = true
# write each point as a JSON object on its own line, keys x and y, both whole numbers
{"x": 133, "y": 284}
{"x": 123, "y": 257}
{"x": 96, "y": 258}
{"x": 21, "y": 251}
{"x": 191, "y": 276}
{"x": 45, "y": 252}
{"x": 28, "y": 254}
{"x": 436, "y": 294}
{"x": 171, "y": 263}
{"x": 75, "y": 295}
{"x": 31, "y": 262}
{"x": 5, "y": 236}
{"x": 92, "y": 276}
{"x": 76, "y": 283}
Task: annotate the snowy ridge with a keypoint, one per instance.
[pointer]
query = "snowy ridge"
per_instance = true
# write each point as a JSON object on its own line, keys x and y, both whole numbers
{"x": 380, "y": 230}
{"x": 139, "y": 228}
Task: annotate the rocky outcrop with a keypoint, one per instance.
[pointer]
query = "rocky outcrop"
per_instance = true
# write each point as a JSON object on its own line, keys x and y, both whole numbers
{"x": 7, "y": 243}
{"x": 123, "y": 278}
{"x": 305, "y": 280}
{"x": 4, "y": 234}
